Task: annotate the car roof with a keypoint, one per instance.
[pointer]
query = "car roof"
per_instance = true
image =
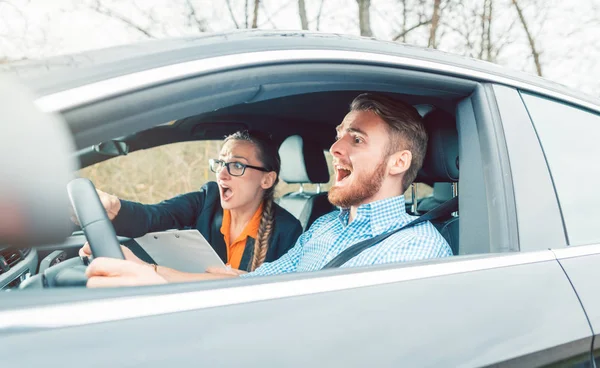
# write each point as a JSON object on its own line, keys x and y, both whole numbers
{"x": 62, "y": 73}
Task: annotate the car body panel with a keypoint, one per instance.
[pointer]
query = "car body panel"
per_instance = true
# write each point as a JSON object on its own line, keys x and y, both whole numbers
{"x": 534, "y": 193}
{"x": 513, "y": 308}
{"x": 581, "y": 264}
{"x": 71, "y": 71}
{"x": 425, "y": 321}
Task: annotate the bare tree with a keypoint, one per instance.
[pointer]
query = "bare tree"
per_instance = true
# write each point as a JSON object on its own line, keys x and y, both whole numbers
{"x": 237, "y": 25}
{"x": 100, "y": 9}
{"x": 364, "y": 17}
{"x": 302, "y": 13}
{"x": 193, "y": 18}
{"x": 488, "y": 33}
{"x": 534, "y": 51}
{"x": 404, "y": 20}
{"x": 319, "y": 14}
{"x": 486, "y": 46}
{"x": 255, "y": 16}
{"x": 418, "y": 9}
{"x": 435, "y": 21}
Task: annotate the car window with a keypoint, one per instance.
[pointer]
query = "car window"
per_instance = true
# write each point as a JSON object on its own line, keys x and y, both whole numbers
{"x": 569, "y": 138}
{"x": 156, "y": 174}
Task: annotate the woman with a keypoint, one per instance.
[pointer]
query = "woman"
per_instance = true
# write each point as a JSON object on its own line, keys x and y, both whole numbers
{"x": 236, "y": 214}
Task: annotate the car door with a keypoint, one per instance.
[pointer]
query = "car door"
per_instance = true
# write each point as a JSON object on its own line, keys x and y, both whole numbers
{"x": 471, "y": 310}
{"x": 569, "y": 135}
{"x": 515, "y": 309}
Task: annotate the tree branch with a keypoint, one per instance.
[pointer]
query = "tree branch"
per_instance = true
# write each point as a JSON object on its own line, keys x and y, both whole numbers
{"x": 246, "y": 12}
{"x": 302, "y": 14}
{"x": 435, "y": 20}
{"x": 364, "y": 17}
{"x": 410, "y": 29}
{"x": 228, "y": 2}
{"x": 404, "y": 20}
{"x": 534, "y": 51}
{"x": 192, "y": 16}
{"x": 109, "y": 13}
{"x": 268, "y": 16}
{"x": 319, "y": 14}
{"x": 255, "y": 16}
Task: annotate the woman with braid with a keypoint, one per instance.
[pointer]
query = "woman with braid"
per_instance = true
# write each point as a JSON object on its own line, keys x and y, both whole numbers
{"x": 236, "y": 214}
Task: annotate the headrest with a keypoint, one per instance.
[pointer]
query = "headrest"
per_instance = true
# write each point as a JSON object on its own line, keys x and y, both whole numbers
{"x": 441, "y": 160}
{"x": 442, "y": 192}
{"x": 302, "y": 161}
{"x": 36, "y": 163}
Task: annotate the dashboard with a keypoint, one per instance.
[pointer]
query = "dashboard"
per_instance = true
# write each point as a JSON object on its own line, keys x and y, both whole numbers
{"x": 16, "y": 265}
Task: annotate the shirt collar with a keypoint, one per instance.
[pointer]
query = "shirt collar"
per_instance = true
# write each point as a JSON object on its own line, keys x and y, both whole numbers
{"x": 381, "y": 214}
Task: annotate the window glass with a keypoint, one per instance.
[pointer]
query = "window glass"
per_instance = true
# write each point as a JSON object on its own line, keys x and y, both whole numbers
{"x": 156, "y": 174}
{"x": 570, "y": 138}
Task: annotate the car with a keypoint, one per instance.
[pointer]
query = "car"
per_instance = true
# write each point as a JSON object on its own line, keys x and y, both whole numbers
{"x": 520, "y": 289}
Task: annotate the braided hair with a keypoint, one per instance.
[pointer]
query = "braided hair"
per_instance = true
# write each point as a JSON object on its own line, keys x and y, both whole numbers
{"x": 269, "y": 157}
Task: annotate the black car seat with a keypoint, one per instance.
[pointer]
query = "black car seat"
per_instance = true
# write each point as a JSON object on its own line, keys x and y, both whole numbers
{"x": 303, "y": 162}
{"x": 441, "y": 166}
{"x": 442, "y": 192}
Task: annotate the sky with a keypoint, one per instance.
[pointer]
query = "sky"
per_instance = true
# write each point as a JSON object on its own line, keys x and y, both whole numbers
{"x": 567, "y": 32}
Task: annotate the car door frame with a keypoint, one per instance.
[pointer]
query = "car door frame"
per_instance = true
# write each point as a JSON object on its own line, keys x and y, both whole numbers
{"x": 507, "y": 271}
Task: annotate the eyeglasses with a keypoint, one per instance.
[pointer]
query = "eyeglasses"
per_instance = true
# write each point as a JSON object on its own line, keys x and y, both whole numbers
{"x": 233, "y": 168}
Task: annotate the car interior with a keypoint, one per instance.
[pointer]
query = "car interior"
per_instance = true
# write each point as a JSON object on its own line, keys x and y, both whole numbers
{"x": 303, "y": 162}
{"x": 301, "y": 117}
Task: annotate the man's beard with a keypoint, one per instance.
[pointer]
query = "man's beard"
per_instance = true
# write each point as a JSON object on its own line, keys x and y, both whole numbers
{"x": 364, "y": 187}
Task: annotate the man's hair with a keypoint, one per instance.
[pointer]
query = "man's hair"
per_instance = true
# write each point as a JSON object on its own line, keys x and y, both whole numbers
{"x": 405, "y": 125}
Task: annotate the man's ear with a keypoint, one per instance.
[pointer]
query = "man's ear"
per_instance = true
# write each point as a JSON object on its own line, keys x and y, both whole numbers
{"x": 268, "y": 180}
{"x": 400, "y": 162}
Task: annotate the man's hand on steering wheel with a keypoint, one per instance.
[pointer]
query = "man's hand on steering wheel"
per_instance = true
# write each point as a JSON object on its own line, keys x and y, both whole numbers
{"x": 111, "y": 272}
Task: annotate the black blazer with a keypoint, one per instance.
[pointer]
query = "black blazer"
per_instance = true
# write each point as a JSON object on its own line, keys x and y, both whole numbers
{"x": 202, "y": 210}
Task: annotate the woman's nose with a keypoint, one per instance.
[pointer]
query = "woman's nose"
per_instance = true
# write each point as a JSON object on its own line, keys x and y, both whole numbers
{"x": 223, "y": 174}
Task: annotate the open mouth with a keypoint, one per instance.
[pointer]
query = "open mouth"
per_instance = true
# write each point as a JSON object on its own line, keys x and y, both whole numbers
{"x": 342, "y": 173}
{"x": 226, "y": 192}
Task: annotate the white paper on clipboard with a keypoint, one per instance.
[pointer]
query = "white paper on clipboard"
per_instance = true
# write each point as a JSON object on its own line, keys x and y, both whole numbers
{"x": 182, "y": 250}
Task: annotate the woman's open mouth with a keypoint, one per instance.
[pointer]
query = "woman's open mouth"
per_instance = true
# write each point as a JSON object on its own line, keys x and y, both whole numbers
{"x": 226, "y": 192}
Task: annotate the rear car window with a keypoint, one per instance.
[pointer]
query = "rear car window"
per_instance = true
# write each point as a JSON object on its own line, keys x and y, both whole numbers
{"x": 570, "y": 139}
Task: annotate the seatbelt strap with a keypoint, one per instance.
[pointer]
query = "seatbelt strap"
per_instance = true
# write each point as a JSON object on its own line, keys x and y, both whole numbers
{"x": 442, "y": 210}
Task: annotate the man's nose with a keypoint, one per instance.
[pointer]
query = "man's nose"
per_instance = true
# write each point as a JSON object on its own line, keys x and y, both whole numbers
{"x": 337, "y": 148}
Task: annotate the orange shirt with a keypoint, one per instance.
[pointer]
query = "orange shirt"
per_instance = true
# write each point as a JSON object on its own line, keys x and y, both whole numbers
{"x": 235, "y": 249}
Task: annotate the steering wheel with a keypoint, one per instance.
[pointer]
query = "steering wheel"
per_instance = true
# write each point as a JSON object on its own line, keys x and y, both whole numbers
{"x": 97, "y": 229}
{"x": 93, "y": 219}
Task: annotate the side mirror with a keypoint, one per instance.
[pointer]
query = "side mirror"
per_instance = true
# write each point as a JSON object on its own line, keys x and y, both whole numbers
{"x": 112, "y": 148}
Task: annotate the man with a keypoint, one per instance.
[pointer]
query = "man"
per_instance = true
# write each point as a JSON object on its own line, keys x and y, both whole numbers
{"x": 380, "y": 146}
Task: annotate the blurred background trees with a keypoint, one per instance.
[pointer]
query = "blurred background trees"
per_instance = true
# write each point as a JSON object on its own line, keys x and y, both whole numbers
{"x": 551, "y": 38}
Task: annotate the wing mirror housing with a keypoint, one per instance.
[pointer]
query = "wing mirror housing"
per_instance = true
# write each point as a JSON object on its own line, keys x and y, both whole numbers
{"x": 112, "y": 148}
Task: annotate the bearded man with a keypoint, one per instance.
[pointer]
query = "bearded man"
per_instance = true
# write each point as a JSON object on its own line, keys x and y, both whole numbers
{"x": 380, "y": 147}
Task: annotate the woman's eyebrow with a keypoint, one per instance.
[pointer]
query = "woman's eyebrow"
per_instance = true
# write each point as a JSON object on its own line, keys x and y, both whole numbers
{"x": 240, "y": 158}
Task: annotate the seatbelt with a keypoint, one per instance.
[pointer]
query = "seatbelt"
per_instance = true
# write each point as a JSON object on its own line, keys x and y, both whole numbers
{"x": 443, "y": 209}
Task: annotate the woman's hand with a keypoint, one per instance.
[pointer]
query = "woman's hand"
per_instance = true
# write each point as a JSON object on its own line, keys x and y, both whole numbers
{"x": 225, "y": 271}
{"x": 111, "y": 203}
{"x": 86, "y": 251}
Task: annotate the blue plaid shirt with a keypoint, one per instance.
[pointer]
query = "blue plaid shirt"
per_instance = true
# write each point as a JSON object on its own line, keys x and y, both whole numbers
{"x": 331, "y": 234}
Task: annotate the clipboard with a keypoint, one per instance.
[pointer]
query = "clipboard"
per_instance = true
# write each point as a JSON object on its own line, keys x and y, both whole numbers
{"x": 182, "y": 250}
